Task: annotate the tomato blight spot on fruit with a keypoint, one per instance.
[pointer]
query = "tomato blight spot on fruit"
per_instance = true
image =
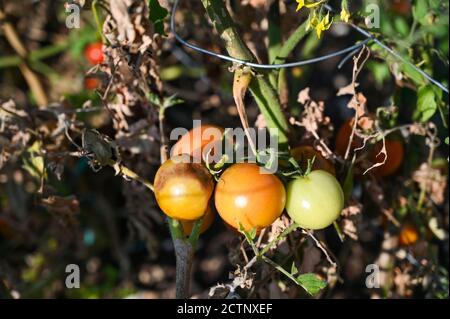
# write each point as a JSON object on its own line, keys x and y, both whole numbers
{"x": 183, "y": 189}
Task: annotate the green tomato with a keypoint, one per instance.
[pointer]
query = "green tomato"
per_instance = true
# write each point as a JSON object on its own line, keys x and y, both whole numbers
{"x": 315, "y": 201}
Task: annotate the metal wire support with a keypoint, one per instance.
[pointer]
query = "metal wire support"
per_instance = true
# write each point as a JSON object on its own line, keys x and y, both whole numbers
{"x": 350, "y": 51}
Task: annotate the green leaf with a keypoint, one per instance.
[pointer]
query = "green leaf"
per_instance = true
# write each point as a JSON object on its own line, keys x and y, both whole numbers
{"x": 250, "y": 235}
{"x": 294, "y": 270}
{"x": 348, "y": 183}
{"x": 154, "y": 99}
{"x": 172, "y": 101}
{"x": 380, "y": 72}
{"x": 157, "y": 16}
{"x": 426, "y": 103}
{"x": 420, "y": 11}
{"x": 311, "y": 283}
{"x": 412, "y": 73}
{"x": 447, "y": 140}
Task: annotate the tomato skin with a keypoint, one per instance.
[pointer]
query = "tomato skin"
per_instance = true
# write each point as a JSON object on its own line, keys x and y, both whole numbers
{"x": 315, "y": 201}
{"x": 401, "y": 7}
{"x": 183, "y": 189}
{"x": 198, "y": 141}
{"x": 395, "y": 155}
{"x": 208, "y": 219}
{"x": 94, "y": 53}
{"x": 343, "y": 137}
{"x": 246, "y": 196}
{"x": 408, "y": 235}
{"x": 91, "y": 83}
{"x": 303, "y": 153}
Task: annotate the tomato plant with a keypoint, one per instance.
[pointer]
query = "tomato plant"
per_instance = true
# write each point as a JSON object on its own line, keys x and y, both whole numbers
{"x": 245, "y": 196}
{"x": 315, "y": 201}
{"x": 183, "y": 189}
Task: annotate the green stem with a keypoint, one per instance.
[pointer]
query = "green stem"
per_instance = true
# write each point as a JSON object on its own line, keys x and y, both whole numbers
{"x": 261, "y": 89}
{"x": 40, "y": 54}
{"x": 291, "y": 43}
{"x": 98, "y": 24}
{"x": 286, "y": 232}
{"x": 280, "y": 269}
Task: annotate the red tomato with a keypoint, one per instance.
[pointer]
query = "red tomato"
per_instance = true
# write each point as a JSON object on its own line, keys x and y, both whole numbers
{"x": 91, "y": 83}
{"x": 94, "y": 53}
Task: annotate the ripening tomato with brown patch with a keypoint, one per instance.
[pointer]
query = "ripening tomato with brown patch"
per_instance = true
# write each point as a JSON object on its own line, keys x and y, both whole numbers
{"x": 304, "y": 153}
{"x": 394, "y": 160}
{"x": 94, "y": 53}
{"x": 249, "y": 196}
{"x": 183, "y": 189}
{"x": 199, "y": 141}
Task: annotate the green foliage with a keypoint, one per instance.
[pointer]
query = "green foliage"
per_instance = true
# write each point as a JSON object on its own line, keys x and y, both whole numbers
{"x": 157, "y": 16}
{"x": 311, "y": 283}
{"x": 427, "y": 103}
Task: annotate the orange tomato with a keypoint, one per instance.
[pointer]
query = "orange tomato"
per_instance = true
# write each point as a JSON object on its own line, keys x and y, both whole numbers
{"x": 395, "y": 154}
{"x": 199, "y": 141}
{"x": 208, "y": 219}
{"x": 343, "y": 138}
{"x": 248, "y": 197}
{"x": 304, "y": 153}
{"x": 94, "y": 53}
{"x": 183, "y": 189}
{"x": 408, "y": 235}
{"x": 91, "y": 83}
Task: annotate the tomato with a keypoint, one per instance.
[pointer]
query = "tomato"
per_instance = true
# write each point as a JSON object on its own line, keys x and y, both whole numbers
{"x": 91, "y": 83}
{"x": 94, "y": 53}
{"x": 408, "y": 235}
{"x": 402, "y": 7}
{"x": 395, "y": 154}
{"x": 248, "y": 197}
{"x": 343, "y": 138}
{"x": 305, "y": 153}
{"x": 199, "y": 141}
{"x": 315, "y": 201}
{"x": 183, "y": 189}
{"x": 208, "y": 219}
